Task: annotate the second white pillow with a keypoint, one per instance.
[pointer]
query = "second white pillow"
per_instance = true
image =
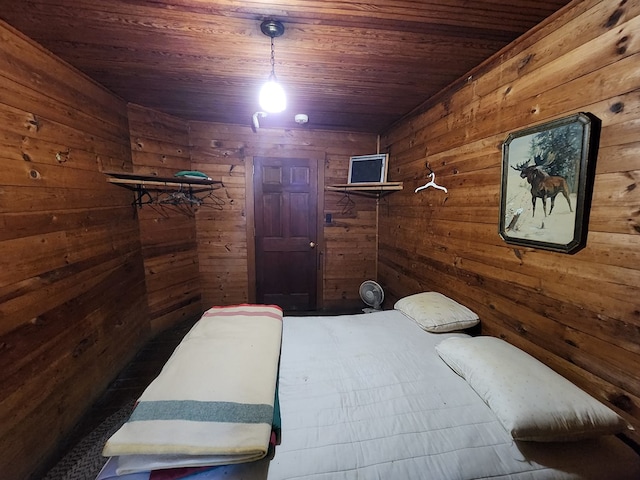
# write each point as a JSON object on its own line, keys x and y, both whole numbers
{"x": 530, "y": 400}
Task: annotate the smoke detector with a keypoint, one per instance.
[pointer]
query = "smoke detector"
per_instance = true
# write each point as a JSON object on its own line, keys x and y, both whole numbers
{"x": 301, "y": 118}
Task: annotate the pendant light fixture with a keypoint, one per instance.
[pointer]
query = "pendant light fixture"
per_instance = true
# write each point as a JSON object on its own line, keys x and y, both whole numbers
{"x": 272, "y": 96}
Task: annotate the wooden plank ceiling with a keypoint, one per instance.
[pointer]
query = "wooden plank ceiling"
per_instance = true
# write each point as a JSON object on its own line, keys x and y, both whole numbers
{"x": 354, "y": 66}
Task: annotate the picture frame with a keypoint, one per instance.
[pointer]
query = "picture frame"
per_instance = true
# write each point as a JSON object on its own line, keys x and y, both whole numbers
{"x": 547, "y": 182}
{"x": 368, "y": 168}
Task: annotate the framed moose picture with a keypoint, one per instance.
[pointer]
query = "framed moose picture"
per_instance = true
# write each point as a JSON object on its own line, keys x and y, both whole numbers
{"x": 547, "y": 180}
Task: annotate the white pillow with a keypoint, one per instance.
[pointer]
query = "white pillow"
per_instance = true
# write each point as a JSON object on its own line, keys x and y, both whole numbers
{"x": 530, "y": 400}
{"x": 435, "y": 312}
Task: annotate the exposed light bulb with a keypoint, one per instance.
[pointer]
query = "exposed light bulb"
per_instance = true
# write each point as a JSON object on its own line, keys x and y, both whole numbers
{"x": 272, "y": 97}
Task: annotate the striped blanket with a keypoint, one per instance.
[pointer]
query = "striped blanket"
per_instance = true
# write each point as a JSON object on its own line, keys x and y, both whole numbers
{"x": 213, "y": 402}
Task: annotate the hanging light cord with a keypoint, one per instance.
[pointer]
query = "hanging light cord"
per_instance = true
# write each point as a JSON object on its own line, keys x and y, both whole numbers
{"x": 273, "y": 62}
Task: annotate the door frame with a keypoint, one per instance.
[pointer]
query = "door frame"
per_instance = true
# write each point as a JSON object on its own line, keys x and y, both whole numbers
{"x": 319, "y": 158}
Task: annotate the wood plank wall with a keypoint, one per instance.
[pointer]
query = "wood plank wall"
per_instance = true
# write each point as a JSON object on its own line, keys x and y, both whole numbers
{"x": 160, "y": 146}
{"x": 578, "y": 313}
{"x": 73, "y": 309}
{"x": 224, "y": 152}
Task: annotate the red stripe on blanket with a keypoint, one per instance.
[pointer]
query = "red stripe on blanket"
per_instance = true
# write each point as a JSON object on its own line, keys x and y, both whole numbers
{"x": 250, "y": 305}
{"x": 245, "y": 310}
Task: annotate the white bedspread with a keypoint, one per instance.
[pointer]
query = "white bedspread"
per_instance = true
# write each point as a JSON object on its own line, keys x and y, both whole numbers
{"x": 367, "y": 397}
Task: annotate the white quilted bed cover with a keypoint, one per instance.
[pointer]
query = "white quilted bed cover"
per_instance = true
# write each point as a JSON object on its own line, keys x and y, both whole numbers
{"x": 367, "y": 397}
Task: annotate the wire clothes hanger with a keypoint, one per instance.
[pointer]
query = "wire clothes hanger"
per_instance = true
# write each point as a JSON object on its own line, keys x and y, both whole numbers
{"x": 431, "y": 183}
{"x": 346, "y": 203}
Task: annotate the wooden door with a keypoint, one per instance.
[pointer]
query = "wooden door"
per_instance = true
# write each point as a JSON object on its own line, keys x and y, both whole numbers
{"x": 286, "y": 223}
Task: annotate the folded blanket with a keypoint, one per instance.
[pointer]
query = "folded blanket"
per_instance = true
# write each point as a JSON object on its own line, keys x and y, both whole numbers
{"x": 213, "y": 402}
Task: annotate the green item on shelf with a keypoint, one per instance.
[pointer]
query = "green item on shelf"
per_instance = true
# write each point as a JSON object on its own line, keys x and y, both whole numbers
{"x": 191, "y": 173}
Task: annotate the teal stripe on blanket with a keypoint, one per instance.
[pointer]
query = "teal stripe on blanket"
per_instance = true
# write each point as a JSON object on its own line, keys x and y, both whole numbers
{"x": 195, "y": 411}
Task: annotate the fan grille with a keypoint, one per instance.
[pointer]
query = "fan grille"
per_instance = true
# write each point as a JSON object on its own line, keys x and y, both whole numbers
{"x": 371, "y": 293}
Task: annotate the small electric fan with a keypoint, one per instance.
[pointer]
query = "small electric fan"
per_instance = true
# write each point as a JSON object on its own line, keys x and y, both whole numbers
{"x": 372, "y": 294}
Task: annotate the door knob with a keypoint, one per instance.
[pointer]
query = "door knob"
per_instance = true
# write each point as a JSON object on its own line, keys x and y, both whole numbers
{"x": 312, "y": 244}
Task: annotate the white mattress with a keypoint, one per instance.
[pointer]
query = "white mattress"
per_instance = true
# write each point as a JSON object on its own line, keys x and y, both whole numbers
{"x": 367, "y": 397}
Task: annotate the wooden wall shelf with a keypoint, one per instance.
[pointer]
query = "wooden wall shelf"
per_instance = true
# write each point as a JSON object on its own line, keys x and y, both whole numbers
{"x": 176, "y": 191}
{"x": 373, "y": 189}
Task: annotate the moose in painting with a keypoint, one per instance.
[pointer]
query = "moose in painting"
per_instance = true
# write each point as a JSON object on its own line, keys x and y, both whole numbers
{"x": 543, "y": 185}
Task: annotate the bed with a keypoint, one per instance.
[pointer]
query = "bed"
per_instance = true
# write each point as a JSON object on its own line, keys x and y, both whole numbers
{"x": 370, "y": 396}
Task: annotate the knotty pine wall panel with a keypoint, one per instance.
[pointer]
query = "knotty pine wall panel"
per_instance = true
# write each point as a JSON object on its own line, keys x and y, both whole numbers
{"x": 223, "y": 152}
{"x": 73, "y": 308}
{"x": 578, "y": 313}
{"x": 160, "y": 146}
